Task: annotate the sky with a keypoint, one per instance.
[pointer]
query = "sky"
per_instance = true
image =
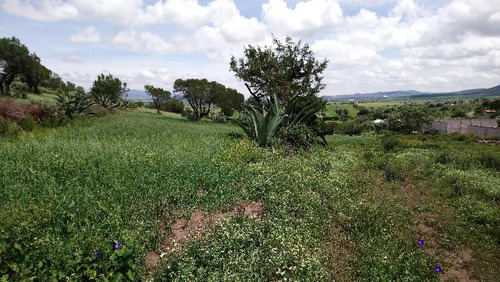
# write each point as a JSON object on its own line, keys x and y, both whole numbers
{"x": 371, "y": 45}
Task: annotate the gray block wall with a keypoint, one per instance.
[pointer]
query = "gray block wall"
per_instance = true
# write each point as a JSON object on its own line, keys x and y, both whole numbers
{"x": 480, "y": 127}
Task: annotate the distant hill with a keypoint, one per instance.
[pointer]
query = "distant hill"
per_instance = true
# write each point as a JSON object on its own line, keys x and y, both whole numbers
{"x": 141, "y": 95}
{"x": 138, "y": 95}
{"x": 413, "y": 94}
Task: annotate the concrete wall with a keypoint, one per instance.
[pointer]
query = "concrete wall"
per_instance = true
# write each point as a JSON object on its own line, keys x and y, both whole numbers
{"x": 481, "y": 127}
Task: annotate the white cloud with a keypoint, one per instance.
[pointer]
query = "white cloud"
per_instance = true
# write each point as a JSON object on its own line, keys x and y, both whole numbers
{"x": 72, "y": 58}
{"x": 43, "y": 10}
{"x": 88, "y": 35}
{"x": 413, "y": 45}
{"x": 308, "y": 17}
{"x": 142, "y": 41}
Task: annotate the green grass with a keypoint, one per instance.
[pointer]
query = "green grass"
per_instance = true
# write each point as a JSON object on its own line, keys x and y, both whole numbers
{"x": 330, "y": 109}
{"x": 328, "y": 213}
{"x": 43, "y": 97}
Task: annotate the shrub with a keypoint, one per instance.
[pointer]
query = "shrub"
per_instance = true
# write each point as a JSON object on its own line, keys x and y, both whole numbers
{"x": 390, "y": 143}
{"x": 218, "y": 117}
{"x": 97, "y": 110}
{"x": 190, "y": 115}
{"x": 28, "y": 123}
{"x": 19, "y": 89}
{"x": 298, "y": 135}
{"x": 172, "y": 105}
{"x": 9, "y": 128}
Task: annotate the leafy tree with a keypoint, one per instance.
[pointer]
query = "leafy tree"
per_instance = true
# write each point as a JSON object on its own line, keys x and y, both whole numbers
{"x": 14, "y": 59}
{"x": 35, "y": 73}
{"x": 202, "y": 94}
{"x": 107, "y": 90}
{"x": 287, "y": 69}
{"x": 158, "y": 95}
{"x": 173, "y": 105}
{"x": 198, "y": 94}
{"x": 229, "y": 100}
{"x": 343, "y": 114}
{"x": 408, "y": 118}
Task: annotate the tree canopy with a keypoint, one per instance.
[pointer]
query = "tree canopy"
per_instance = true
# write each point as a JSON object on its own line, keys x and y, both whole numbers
{"x": 202, "y": 95}
{"x": 286, "y": 69}
{"x": 107, "y": 90}
{"x": 16, "y": 62}
{"x": 157, "y": 94}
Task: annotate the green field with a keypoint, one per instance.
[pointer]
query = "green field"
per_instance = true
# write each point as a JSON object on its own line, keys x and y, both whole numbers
{"x": 352, "y": 211}
{"x": 330, "y": 109}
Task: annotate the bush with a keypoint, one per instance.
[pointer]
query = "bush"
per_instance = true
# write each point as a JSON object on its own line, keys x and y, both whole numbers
{"x": 97, "y": 110}
{"x": 28, "y": 123}
{"x": 298, "y": 135}
{"x": 190, "y": 115}
{"x": 172, "y": 105}
{"x": 19, "y": 89}
{"x": 218, "y": 117}
{"x": 356, "y": 126}
{"x": 390, "y": 143}
{"x": 9, "y": 128}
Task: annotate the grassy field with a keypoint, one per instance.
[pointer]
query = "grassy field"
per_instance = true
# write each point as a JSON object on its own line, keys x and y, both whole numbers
{"x": 330, "y": 109}
{"x": 137, "y": 195}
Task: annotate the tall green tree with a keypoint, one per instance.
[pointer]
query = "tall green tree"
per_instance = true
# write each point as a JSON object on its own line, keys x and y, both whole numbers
{"x": 202, "y": 95}
{"x": 286, "y": 69}
{"x": 14, "y": 61}
{"x": 158, "y": 95}
{"x": 107, "y": 90}
{"x": 229, "y": 100}
{"x": 409, "y": 118}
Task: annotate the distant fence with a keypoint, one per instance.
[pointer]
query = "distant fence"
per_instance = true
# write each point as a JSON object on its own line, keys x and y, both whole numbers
{"x": 480, "y": 127}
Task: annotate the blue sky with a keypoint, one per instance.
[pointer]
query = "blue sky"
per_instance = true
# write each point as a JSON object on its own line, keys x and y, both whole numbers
{"x": 371, "y": 45}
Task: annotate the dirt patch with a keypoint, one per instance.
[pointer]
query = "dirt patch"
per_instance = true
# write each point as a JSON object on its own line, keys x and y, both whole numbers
{"x": 457, "y": 270}
{"x": 339, "y": 253}
{"x": 185, "y": 229}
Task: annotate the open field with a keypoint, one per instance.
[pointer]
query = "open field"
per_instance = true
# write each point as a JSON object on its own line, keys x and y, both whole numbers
{"x": 137, "y": 195}
{"x": 330, "y": 109}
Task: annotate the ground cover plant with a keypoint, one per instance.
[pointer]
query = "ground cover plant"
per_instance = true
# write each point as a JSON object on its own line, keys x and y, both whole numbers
{"x": 102, "y": 199}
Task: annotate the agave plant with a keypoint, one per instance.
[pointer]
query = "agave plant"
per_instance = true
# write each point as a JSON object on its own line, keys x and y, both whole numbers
{"x": 263, "y": 126}
{"x": 73, "y": 103}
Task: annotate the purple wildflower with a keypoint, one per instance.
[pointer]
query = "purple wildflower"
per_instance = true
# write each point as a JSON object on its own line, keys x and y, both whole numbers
{"x": 438, "y": 269}
{"x": 421, "y": 243}
{"x": 96, "y": 254}
{"x": 117, "y": 246}
{"x": 293, "y": 153}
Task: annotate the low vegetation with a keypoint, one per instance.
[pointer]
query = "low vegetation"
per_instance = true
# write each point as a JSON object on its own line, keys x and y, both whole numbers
{"x": 95, "y": 199}
{"x": 151, "y": 195}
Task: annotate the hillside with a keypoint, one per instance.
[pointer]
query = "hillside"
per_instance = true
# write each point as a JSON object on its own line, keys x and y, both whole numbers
{"x": 415, "y": 95}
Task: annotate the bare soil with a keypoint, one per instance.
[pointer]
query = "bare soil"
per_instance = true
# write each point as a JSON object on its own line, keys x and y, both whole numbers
{"x": 186, "y": 229}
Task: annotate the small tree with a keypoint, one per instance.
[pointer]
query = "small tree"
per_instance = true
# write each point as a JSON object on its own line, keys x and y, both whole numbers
{"x": 202, "y": 94}
{"x": 107, "y": 90}
{"x": 158, "y": 95}
{"x": 286, "y": 69}
{"x": 408, "y": 118}
{"x": 229, "y": 100}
